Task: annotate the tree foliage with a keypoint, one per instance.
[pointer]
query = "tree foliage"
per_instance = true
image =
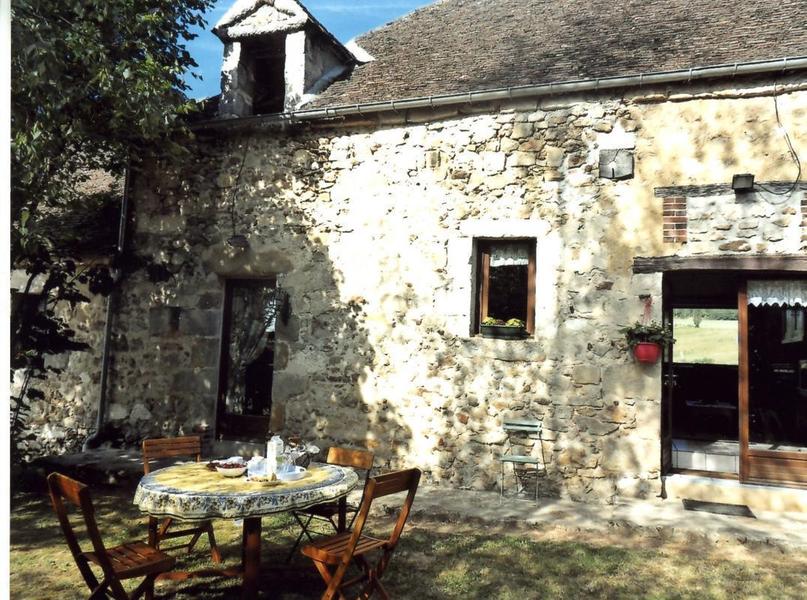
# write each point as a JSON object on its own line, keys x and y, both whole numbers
{"x": 93, "y": 81}
{"x": 96, "y": 85}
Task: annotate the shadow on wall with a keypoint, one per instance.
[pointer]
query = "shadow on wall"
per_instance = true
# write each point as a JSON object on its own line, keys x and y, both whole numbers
{"x": 61, "y": 420}
{"x": 599, "y": 410}
{"x": 167, "y": 373}
{"x": 367, "y": 358}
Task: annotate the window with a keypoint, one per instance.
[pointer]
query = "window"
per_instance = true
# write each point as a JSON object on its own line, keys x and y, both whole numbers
{"x": 268, "y": 70}
{"x": 247, "y": 359}
{"x": 506, "y": 281}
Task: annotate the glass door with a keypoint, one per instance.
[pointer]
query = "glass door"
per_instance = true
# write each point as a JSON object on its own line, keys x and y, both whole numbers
{"x": 773, "y": 381}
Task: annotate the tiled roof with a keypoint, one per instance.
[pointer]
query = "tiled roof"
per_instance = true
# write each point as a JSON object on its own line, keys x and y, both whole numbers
{"x": 456, "y": 46}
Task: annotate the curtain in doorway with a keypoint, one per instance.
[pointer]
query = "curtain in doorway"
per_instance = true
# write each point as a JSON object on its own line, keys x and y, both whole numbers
{"x": 252, "y": 325}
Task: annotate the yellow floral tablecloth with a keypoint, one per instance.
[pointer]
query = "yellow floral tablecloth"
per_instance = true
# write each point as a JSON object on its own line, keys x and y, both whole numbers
{"x": 192, "y": 492}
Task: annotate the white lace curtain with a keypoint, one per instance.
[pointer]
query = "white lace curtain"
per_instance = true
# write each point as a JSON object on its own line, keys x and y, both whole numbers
{"x": 251, "y": 325}
{"x": 508, "y": 254}
{"x": 783, "y": 292}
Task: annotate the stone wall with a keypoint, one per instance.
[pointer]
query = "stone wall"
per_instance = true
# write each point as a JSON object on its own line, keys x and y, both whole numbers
{"x": 370, "y": 227}
{"x": 715, "y": 219}
{"x": 65, "y": 417}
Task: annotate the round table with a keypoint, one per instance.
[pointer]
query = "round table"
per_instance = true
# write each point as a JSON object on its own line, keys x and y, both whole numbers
{"x": 192, "y": 492}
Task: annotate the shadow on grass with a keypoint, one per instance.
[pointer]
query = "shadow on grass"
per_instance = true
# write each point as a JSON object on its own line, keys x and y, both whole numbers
{"x": 433, "y": 561}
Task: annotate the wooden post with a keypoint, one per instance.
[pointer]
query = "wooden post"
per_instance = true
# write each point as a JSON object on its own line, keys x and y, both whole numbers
{"x": 742, "y": 314}
{"x": 153, "y": 542}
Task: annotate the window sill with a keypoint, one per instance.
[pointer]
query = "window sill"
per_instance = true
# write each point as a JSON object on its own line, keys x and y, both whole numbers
{"x": 524, "y": 350}
{"x": 497, "y": 332}
{"x": 527, "y": 339}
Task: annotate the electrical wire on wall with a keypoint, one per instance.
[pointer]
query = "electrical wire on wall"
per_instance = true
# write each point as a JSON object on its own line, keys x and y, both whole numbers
{"x": 237, "y": 240}
{"x": 790, "y": 148}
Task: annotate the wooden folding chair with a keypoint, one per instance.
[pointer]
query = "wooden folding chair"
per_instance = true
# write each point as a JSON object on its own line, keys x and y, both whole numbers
{"x": 333, "y": 555}
{"x": 325, "y": 512}
{"x": 129, "y": 560}
{"x": 188, "y": 446}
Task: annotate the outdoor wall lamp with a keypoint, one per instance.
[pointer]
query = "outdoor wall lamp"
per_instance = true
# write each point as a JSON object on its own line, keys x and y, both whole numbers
{"x": 742, "y": 182}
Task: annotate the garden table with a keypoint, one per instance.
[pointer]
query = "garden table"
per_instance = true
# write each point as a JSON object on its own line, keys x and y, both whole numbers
{"x": 192, "y": 492}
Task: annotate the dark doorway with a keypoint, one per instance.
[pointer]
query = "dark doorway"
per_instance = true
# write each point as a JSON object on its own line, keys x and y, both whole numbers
{"x": 268, "y": 68}
{"x": 702, "y": 374}
{"x": 247, "y": 359}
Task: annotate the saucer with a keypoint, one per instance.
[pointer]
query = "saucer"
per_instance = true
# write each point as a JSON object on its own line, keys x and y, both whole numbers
{"x": 292, "y": 474}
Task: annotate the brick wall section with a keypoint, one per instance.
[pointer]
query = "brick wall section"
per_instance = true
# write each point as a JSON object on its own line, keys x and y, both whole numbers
{"x": 675, "y": 219}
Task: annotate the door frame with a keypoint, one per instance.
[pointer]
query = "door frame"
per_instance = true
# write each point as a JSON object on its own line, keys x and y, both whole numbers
{"x": 760, "y": 466}
{"x": 667, "y": 385}
{"x": 755, "y": 465}
{"x": 233, "y": 426}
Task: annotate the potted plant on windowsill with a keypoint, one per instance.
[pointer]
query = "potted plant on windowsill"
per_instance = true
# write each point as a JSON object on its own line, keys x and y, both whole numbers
{"x": 512, "y": 329}
{"x": 647, "y": 340}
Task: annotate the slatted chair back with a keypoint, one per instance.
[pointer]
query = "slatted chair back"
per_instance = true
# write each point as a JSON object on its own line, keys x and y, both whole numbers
{"x": 377, "y": 487}
{"x": 522, "y": 427}
{"x": 521, "y": 434}
{"x": 125, "y": 561}
{"x": 350, "y": 457}
{"x": 63, "y": 488}
{"x": 343, "y": 457}
{"x": 189, "y": 446}
{"x": 355, "y": 459}
{"x": 393, "y": 483}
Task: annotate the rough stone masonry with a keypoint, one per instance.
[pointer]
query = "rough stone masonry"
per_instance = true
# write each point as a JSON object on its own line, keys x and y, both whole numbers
{"x": 370, "y": 227}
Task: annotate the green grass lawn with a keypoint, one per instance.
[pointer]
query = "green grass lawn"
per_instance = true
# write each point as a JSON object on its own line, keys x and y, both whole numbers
{"x": 434, "y": 560}
{"x": 713, "y": 342}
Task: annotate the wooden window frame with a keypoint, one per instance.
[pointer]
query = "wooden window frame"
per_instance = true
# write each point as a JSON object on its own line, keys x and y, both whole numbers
{"x": 230, "y": 425}
{"x": 483, "y": 247}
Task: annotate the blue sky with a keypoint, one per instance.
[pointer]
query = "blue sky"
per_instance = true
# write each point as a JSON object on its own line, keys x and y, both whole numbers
{"x": 345, "y": 19}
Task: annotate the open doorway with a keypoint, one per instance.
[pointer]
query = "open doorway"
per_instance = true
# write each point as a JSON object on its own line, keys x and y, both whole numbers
{"x": 705, "y": 399}
{"x": 701, "y": 392}
{"x": 735, "y": 386}
{"x": 244, "y": 406}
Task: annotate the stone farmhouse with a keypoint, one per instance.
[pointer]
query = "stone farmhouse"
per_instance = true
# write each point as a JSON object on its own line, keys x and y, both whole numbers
{"x": 350, "y": 215}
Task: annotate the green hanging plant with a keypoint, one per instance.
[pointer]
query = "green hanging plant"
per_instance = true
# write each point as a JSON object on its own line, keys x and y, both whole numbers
{"x": 652, "y": 332}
